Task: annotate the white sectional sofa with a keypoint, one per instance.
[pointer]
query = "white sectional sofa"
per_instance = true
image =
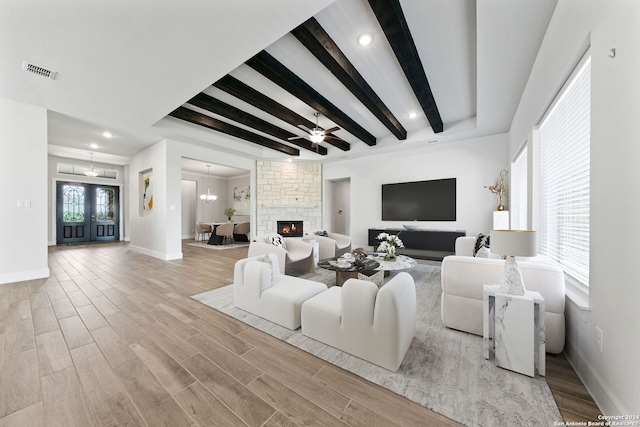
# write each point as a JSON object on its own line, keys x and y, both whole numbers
{"x": 464, "y": 276}
{"x": 261, "y": 289}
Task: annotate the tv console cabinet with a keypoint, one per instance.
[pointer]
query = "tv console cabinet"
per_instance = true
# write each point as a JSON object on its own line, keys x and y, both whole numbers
{"x": 422, "y": 244}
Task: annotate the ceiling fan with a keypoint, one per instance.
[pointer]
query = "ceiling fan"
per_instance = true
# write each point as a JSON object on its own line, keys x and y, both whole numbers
{"x": 317, "y": 134}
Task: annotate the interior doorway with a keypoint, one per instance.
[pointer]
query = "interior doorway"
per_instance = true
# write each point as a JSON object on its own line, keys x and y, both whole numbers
{"x": 340, "y": 206}
{"x": 86, "y": 213}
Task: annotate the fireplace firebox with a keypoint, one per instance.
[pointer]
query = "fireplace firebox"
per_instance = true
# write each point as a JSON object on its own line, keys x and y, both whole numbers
{"x": 290, "y": 228}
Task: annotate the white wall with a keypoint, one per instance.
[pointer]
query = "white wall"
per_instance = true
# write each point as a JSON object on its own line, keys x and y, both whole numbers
{"x": 214, "y": 211}
{"x": 613, "y": 376}
{"x": 54, "y": 177}
{"x": 23, "y": 177}
{"x": 474, "y": 163}
{"x": 158, "y": 232}
{"x": 150, "y": 229}
{"x": 208, "y": 212}
{"x": 189, "y": 207}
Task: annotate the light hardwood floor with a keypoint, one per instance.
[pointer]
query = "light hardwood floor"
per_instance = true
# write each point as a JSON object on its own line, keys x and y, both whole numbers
{"x": 112, "y": 338}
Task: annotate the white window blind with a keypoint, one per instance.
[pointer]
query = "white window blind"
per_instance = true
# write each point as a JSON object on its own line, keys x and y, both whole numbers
{"x": 519, "y": 191}
{"x": 564, "y": 144}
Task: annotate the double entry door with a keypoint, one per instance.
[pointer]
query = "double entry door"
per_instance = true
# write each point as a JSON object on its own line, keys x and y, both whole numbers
{"x": 87, "y": 213}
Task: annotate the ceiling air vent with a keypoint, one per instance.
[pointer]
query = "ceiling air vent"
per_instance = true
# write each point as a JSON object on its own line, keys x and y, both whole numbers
{"x": 31, "y": 68}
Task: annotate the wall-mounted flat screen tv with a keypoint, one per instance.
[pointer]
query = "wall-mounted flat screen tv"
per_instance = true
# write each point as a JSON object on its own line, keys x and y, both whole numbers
{"x": 433, "y": 200}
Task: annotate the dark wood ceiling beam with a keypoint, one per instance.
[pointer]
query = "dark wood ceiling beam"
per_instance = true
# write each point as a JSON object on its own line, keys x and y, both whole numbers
{"x": 321, "y": 45}
{"x": 226, "y": 128}
{"x": 223, "y": 109}
{"x": 391, "y": 18}
{"x": 242, "y": 91}
{"x": 269, "y": 67}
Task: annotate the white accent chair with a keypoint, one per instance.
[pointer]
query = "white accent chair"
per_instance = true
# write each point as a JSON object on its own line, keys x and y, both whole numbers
{"x": 463, "y": 278}
{"x": 374, "y": 325}
{"x": 297, "y": 253}
{"x": 260, "y": 289}
{"x": 332, "y": 245}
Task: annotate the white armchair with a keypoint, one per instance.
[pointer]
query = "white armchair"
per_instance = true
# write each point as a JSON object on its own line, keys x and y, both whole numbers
{"x": 297, "y": 253}
{"x": 332, "y": 245}
{"x": 463, "y": 278}
{"x": 260, "y": 289}
{"x": 374, "y": 325}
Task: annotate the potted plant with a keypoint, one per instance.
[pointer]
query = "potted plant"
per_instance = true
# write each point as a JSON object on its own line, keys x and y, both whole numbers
{"x": 229, "y": 212}
{"x": 388, "y": 245}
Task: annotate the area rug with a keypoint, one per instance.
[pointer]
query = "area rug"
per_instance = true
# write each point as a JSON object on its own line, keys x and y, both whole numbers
{"x": 219, "y": 247}
{"x": 444, "y": 370}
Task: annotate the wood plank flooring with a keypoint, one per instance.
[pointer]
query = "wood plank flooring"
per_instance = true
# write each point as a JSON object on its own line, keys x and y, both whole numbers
{"x": 112, "y": 339}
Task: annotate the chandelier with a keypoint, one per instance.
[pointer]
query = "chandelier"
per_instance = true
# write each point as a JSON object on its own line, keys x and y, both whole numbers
{"x": 91, "y": 172}
{"x": 208, "y": 198}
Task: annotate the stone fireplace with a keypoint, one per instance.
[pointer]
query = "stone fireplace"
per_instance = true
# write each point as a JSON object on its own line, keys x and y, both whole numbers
{"x": 288, "y": 192}
{"x": 290, "y": 228}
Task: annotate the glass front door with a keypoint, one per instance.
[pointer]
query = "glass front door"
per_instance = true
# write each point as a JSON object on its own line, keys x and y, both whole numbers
{"x": 86, "y": 212}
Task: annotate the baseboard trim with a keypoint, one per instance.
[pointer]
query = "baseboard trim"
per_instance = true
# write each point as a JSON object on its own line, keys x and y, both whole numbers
{"x": 156, "y": 254}
{"x": 603, "y": 396}
{"x": 22, "y": 276}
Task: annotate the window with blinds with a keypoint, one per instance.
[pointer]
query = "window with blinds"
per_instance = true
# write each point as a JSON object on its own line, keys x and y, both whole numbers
{"x": 564, "y": 176}
{"x": 520, "y": 188}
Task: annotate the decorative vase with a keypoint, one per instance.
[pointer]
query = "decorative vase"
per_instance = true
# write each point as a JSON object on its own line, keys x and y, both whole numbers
{"x": 390, "y": 257}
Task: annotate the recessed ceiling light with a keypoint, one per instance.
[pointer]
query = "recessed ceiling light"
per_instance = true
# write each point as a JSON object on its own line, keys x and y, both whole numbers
{"x": 365, "y": 39}
{"x": 93, "y": 145}
{"x": 107, "y": 134}
{"x": 413, "y": 115}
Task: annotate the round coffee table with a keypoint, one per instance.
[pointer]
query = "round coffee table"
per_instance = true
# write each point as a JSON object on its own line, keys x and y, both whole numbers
{"x": 402, "y": 262}
{"x": 343, "y": 273}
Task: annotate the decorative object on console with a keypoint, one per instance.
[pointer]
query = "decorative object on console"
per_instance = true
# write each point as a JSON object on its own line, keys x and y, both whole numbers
{"x": 229, "y": 213}
{"x": 411, "y": 226}
{"x": 322, "y": 233}
{"x": 388, "y": 245}
{"x": 498, "y": 189}
{"x": 513, "y": 243}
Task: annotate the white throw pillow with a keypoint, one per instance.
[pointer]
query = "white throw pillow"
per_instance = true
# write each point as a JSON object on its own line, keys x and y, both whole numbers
{"x": 485, "y": 252}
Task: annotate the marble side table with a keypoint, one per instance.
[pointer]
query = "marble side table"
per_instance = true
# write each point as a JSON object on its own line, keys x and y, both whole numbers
{"x": 513, "y": 330}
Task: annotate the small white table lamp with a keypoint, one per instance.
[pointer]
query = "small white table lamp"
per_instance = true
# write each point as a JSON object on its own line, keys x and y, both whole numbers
{"x": 513, "y": 243}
